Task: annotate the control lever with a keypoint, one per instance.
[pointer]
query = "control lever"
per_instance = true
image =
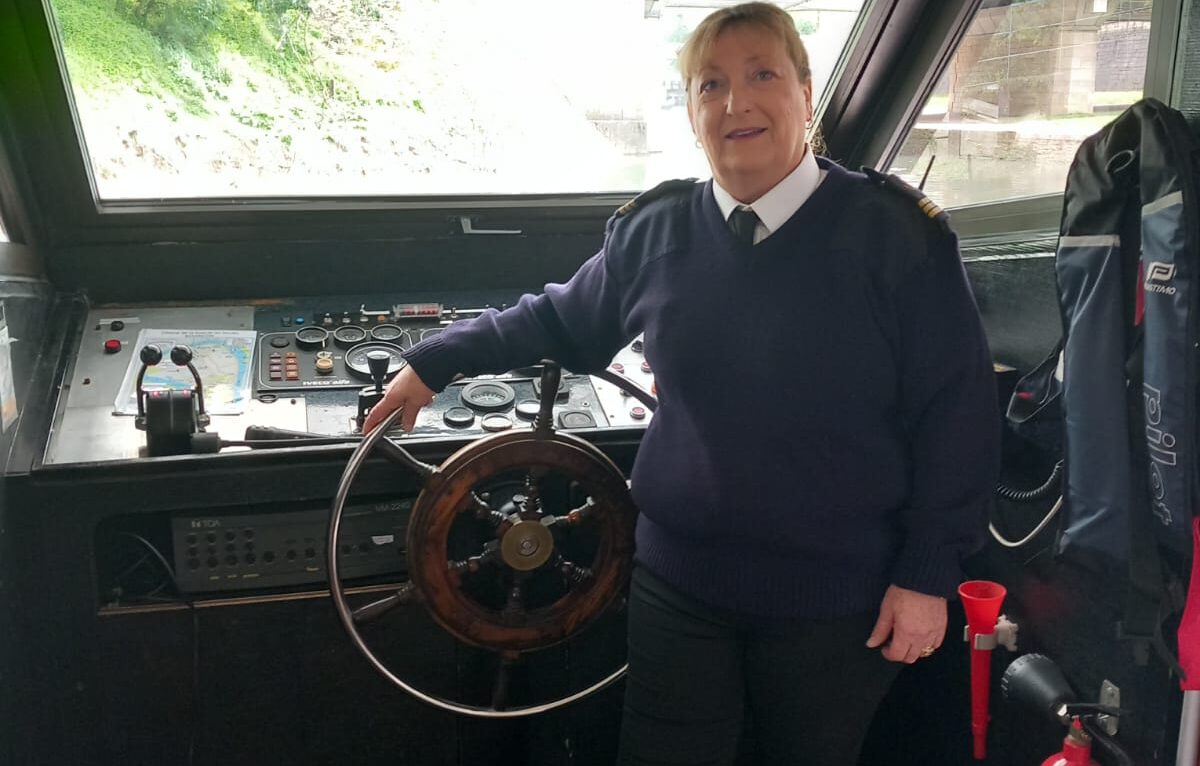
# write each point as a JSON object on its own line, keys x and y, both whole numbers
{"x": 271, "y": 433}
{"x": 377, "y": 364}
{"x": 258, "y": 437}
{"x": 368, "y": 397}
{"x": 173, "y": 417}
{"x": 551, "y": 378}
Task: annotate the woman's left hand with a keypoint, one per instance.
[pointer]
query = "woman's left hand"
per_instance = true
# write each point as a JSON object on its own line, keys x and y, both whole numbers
{"x": 914, "y": 622}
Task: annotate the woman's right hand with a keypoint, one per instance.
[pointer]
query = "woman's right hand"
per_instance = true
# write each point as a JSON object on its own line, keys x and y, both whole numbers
{"x": 406, "y": 391}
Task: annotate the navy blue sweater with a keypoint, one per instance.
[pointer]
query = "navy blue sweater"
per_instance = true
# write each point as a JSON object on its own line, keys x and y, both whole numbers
{"x": 827, "y": 419}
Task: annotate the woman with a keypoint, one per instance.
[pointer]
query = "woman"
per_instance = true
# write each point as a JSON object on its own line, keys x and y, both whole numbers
{"x": 804, "y": 507}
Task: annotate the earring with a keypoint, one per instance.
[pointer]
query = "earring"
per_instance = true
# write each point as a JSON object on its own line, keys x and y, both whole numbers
{"x": 698, "y": 146}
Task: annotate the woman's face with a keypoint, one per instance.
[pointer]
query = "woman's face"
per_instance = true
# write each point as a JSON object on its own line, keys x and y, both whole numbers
{"x": 748, "y": 108}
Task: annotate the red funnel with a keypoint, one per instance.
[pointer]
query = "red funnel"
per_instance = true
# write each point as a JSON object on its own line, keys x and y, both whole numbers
{"x": 981, "y": 601}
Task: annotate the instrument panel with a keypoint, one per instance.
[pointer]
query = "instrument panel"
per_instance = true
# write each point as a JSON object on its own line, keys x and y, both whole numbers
{"x": 302, "y": 365}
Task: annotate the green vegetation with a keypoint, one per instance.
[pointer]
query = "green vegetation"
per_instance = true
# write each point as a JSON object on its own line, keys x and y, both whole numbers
{"x": 102, "y": 48}
{"x": 174, "y": 46}
{"x": 260, "y": 120}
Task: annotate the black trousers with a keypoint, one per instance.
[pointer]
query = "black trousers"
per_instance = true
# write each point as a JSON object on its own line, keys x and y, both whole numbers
{"x": 695, "y": 672}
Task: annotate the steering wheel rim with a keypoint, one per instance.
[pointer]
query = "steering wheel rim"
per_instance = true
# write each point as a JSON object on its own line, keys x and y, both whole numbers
{"x": 461, "y": 478}
{"x": 449, "y": 492}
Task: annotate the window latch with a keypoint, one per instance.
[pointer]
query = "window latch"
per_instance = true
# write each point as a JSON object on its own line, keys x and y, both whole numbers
{"x": 469, "y": 228}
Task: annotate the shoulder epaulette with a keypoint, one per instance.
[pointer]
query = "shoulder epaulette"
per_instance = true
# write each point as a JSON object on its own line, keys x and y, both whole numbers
{"x": 895, "y": 184}
{"x": 662, "y": 190}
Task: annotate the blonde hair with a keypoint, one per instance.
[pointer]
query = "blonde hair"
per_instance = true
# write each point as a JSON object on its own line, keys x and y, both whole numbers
{"x": 765, "y": 16}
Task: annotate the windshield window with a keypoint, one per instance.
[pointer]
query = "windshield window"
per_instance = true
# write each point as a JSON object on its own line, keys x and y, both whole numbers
{"x": 1030, "y": 80}
{"x": 286, "y": 98}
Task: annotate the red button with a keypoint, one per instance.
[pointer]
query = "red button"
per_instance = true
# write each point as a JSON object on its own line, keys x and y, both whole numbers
{"x": 637, "y": 413}
{"x": 112, "y": 346}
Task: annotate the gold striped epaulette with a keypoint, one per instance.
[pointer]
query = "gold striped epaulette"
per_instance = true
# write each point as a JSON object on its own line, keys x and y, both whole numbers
{"x": 663, "y": 189}
{"x": 896, "y": 184}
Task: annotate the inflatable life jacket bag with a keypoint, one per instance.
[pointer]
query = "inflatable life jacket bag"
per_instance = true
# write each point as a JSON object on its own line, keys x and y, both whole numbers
{"x": 1126, "y": 269}
{"x": 1169, "y": 260}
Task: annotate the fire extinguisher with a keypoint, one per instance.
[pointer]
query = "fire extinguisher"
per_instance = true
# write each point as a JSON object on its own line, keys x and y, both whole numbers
{"x": 1036, "y": 682}
{"x": 1077, "y": 749}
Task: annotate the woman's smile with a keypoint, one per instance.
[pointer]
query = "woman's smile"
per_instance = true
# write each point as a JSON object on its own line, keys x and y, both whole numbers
{"x": 741, "y": 133}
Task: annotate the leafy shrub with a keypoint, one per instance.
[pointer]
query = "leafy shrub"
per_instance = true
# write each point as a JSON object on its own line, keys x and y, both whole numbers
{"x": 187, "y": 23}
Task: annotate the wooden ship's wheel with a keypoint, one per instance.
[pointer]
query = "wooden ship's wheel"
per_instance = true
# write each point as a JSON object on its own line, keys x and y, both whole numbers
{"x": 524, "y": 546}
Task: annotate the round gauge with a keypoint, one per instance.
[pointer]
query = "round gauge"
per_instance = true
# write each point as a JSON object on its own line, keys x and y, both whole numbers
{"x": 429, "y": 332}
{"x": 387, "y": 332}
{"x": 356, "y": 359}
{"x": 488, "y": 395}
{"x": 576, "y": 419}
{"x": 311, "y": 337}
{"x": 347, "y": 335}
{"x": 459, "y": 417}
{"x": 528, "y": 409}
{"x": 494, "y": 423}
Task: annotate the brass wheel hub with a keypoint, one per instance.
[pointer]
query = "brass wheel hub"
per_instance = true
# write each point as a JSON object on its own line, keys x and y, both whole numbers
{"x": 526, "y": 545}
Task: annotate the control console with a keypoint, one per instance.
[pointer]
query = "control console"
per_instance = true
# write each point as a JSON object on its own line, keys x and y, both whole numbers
{"x": 151, "y": 381}
{"x": 303, "y": 365}
{"x": 334, "y": 347}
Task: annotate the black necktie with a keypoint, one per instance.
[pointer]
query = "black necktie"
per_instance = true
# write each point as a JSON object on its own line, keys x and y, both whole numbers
{"x": 743, "y": 221}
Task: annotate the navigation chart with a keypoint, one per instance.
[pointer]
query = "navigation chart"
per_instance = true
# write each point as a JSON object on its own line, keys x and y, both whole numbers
{"x": 224, "y": 359}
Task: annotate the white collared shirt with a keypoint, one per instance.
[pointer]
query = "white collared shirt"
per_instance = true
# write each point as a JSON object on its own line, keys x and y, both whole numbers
{"x": 783, "y": 200}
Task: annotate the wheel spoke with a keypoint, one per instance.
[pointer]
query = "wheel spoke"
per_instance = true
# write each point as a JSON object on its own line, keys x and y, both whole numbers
{"x": 574, "y": 517}
{"x": 489, "y": 555}
{"x": 397, "y": 454}
{"x": 572, "y": 573}
{"x": 405, "y": 594}
{"x": 503, "y": 677}
{"x": 533, "y": 495}
{"x": 485, "y": 512}
{"x": 514, "y": 606}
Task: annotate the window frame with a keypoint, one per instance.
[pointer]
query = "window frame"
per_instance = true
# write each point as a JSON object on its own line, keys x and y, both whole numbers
{"x": 885, "y": 77}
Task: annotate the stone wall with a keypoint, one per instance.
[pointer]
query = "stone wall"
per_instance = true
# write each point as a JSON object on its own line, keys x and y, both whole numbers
{"x": 1121, "y": 55}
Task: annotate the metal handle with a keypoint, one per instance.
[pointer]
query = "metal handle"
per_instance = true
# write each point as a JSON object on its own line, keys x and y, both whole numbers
{"x": 469, "y": 228}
